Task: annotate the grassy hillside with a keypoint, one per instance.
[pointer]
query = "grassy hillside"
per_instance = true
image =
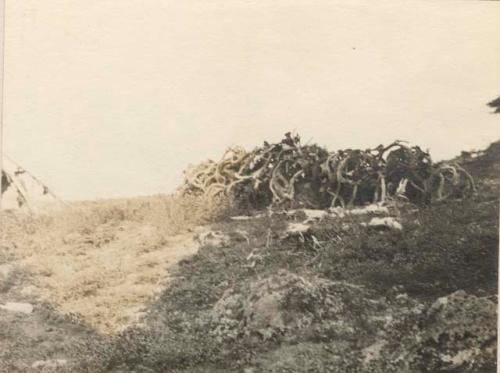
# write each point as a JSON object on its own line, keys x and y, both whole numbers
{"x": 339, "y": 297}
{"x": 87, "y": 271}
{"x": 285, "y": 290}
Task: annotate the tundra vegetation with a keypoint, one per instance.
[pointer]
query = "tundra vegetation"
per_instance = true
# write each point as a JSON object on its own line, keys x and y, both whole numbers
{"x": 303, "y": 269}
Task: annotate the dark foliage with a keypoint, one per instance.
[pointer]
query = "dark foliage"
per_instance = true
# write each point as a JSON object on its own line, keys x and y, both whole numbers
{"x": 495, "y": 104}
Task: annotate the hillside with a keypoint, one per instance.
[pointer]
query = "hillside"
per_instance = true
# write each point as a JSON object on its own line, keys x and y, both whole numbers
{"x": 175, "y": 284}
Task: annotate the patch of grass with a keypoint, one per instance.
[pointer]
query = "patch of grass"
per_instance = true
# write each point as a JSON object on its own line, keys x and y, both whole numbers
{"x": 170, "y": 214}
{"x": 449, "y": 247}
{"x": 444, "y": 249}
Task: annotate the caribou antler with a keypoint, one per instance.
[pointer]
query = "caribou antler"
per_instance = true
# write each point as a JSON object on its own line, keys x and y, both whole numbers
{"x": 288, "y": 171}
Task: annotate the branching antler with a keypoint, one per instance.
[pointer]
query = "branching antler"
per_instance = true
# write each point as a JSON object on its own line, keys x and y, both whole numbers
{"x": 289, "y": 172}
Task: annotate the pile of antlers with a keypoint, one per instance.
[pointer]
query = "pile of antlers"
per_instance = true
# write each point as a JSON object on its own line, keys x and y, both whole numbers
{"x": 310, "y": 176}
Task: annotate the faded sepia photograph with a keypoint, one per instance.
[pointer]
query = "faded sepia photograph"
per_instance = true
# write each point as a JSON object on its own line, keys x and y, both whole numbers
{"x": 243, "y": 186}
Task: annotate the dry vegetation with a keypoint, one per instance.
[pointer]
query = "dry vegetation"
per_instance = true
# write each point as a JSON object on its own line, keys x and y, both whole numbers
{"x": 338, "y": 297}
{"x": 106, "y": 259}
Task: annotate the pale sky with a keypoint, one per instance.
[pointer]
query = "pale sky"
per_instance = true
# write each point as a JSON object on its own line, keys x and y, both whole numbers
{"x": 110, "y": 98}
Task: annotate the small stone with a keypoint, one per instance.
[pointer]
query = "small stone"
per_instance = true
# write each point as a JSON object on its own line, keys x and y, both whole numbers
{"x": 49, "y": 364}
{"x": 241, "y": 217}
{"x": 25, "y": 308}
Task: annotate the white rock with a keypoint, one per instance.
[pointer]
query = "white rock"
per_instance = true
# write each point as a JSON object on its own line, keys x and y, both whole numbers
{"x": 246, "y": 217}
{"x": 26, "y": 308}
{"x": 242, "y": 217}
{"x": 387, "y": 222}
{"x": 50, "y": 364}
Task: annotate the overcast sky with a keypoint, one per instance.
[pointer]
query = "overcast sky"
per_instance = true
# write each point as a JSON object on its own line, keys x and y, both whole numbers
{"x": 108, "y": 98}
